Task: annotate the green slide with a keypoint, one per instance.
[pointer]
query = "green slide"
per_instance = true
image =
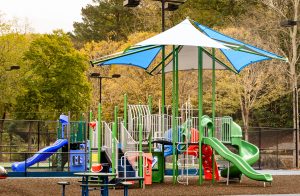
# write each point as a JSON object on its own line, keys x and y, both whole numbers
{"x": 241, "y": 164}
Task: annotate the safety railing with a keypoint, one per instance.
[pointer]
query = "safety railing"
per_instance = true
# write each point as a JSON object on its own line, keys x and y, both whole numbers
{"x": 107, "y": 139}
{"x": 139, "y": 115}
{"x": 133, "y": 158}
{"x": 126, "y": 140}
{"x": 222, "y": 128}
{"x": 143, "y": 122}
{"x": 188, "y": 166}
{"x": 161, "y": 127}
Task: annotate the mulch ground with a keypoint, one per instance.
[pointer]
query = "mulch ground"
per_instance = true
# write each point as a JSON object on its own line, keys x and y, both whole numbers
{"x": 48, "y": 186}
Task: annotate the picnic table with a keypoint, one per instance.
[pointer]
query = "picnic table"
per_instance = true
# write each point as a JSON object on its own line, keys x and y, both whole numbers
{"x": 103, "y": 182}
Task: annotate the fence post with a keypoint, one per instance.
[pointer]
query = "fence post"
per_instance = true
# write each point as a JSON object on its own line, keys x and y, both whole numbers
{"x": 277, "y": 153}
{"x": 25, "y": 172}
{"x": 259, "y": 141}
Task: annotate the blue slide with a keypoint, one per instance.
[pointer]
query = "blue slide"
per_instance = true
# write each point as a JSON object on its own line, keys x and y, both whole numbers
{"x": 39, "y": 156}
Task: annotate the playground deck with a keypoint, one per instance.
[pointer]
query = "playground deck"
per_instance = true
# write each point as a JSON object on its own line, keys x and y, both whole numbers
{"x": 48, "y": 186}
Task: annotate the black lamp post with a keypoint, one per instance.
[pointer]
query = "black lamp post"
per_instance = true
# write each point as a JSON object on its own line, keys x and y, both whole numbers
{"x": 98, "y": 75}
{"x": 292, "y": 23}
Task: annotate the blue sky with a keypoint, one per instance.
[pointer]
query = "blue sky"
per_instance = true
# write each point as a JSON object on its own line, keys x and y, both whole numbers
{"x": 44, "y": 15}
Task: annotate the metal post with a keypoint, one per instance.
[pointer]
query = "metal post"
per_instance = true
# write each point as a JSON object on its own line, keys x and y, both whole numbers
{"x": 150, "y": 135}
{"x": 38, "y": 139}
{"x": 86, "y": 142}
{"x": 213, "y": 108}
{"x": 277, "y": 153}
{"x": 176, "y": 105}
{"x": 297, "y": 126}
{"x": 90, "y": 139}
{"x": 140, "y": 162}
{"x": 200, "y": 111}
{"x": 125, "y": 110}
{"x": 259, "y": 163}
{"x": 100, "y": 90}
{"x": 163, "y": 15}
{"x": 99, "y": 132}
{"x": 69, "y": 139}
{"x": 173, "y": 118}
{"x": 114, "y": 137}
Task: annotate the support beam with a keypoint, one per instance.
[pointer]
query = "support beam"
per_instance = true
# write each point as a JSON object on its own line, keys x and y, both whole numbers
{"x": 99, "y": 132}
{"x": 200, "y": 111}
{"x": 213, "y": 108}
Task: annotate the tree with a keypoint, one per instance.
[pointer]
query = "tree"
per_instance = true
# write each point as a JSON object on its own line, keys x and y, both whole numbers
{"x": 256, "y": 86}
{"x": 55, "y": 81}
{"x": 12, "y": 48}
{"x": 106, "y": 19}
{"x": 133, "y": 81}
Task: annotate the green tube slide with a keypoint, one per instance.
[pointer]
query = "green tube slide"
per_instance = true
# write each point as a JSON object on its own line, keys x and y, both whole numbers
{"x": 242, "y": 163}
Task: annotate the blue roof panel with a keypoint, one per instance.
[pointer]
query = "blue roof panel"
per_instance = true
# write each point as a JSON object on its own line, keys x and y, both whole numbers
{"x": 238, "y": 59}
{"x": 141, "y": 59}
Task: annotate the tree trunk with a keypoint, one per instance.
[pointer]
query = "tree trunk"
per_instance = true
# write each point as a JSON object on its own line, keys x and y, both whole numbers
{"x": 245, "y": 116}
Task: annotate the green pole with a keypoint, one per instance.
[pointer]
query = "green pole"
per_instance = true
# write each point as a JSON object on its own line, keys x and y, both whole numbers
{"x": 200, "y": 110}
{"x": 91, "y": 139}
{"x": 163, "y": 82}
{"x": 114, "y": 137}
{"x": 99, "y": 132}
{"x": 176, "y": 105}
{"x": 150, "y": 109}
{"x": 125, "y": 110}
{"x": 140, "y": 127}
{"x": 173, "y": 118}
{"x": 213, "y": 107}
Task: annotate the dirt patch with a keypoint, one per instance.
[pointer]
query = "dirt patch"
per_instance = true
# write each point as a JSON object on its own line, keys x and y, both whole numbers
{"x": 48, "y": 186}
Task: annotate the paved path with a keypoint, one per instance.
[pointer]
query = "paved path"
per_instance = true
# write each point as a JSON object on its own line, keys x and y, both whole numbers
{"x": 280, "y": 172}
{"x": 269, "y": 195}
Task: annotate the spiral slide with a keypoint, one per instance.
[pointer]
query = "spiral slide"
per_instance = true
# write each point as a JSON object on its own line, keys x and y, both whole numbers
{"x": 41, "y": 155}
{"x": 240, "y": 164}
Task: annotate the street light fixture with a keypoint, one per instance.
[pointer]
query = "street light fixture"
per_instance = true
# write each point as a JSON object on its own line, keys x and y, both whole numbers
{"x": 98, "y": 75}
{"x": 289, "y": 23}
{"x": 13, "y": 67}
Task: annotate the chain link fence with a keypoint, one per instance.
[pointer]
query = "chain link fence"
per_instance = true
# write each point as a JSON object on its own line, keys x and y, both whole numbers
{"x": 277, "y": 147}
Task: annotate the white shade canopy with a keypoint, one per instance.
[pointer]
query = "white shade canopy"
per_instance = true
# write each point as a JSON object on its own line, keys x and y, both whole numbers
{"x": 187, "y": 60}
{"x": 184, "y": 34}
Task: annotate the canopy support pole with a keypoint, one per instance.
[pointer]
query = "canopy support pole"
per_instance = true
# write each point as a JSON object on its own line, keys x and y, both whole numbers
{"x": 200, "y": 111}
{"x": 163, "y": 82}
{"x": 150, "y": 135}
{"x": 176, "y": 107}
{"x": 173, "y": 118}
{"x": 213, "y": 108}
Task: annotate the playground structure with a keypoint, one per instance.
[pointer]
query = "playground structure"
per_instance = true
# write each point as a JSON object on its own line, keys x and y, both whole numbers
{"x": 70, "y": 147}
{"x": 128, "y": 151}
{"x": 136, "y": 146}
{"x": 152, "y": 133}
